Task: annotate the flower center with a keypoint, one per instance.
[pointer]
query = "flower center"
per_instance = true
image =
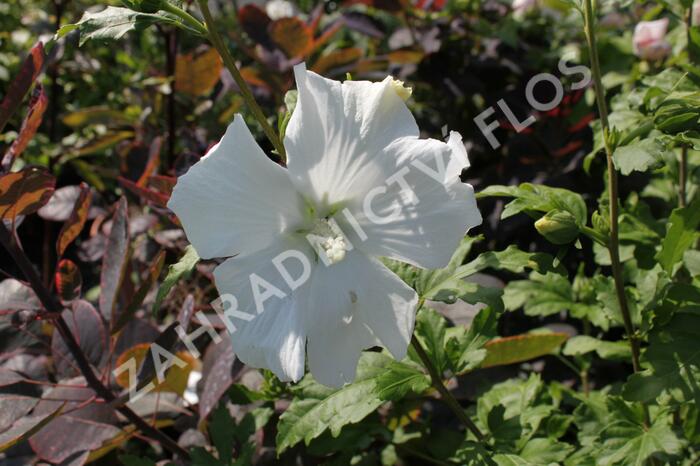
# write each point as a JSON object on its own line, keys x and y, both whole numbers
{"x": 329, "y": 241}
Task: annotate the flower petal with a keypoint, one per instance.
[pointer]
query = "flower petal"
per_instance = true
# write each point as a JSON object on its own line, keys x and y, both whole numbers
{"x": 423, "y": 223}
{"x": 333, "y": 355}
{"x": 355, "y": 304}
{"x": 337, "y": 132}
{"x": 235, "y": 199}
{"x": 269, "y": 328}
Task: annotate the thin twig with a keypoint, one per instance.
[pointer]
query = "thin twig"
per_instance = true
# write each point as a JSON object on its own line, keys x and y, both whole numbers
{"x": 444, "y": 392}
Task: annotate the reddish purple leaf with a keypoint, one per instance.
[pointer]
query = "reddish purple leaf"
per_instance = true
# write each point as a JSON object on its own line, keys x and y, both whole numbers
{"x": 114, "y": 261}
{"x": 144, "y": 193}
{"x": 219, "y": 374}
{"x": 186, "y": 312}
{"x": 14, "y": 407}
{"x": 137, "y": 300}
{"x": 25, "y": 191}
{"x": 8, "y": 377}
{"x": 68, "y": 280}
{"x": 29, "y": 127}
{"x": 75, "y": 223}
{"x": 20, "y": 85}
{"x": 16, "y": 296}
{"x": 88, "y": 329}
{"x": 79, "y": 429}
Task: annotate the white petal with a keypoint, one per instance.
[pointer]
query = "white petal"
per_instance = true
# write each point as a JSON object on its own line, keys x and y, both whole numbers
{"x": 333, "y": 355}
{"x": 337, "y": 133}
{"x": 421, "y": 225}
{"x": 355, "y": 304}
{"x": 274, "y": 337}
{"x": 235, "y": 199}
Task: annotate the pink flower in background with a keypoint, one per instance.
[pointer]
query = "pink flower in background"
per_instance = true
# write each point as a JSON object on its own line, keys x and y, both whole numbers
{"x": 649, "y": 41}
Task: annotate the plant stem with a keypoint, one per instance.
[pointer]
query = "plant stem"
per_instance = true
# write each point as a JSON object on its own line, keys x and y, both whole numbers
{"x": 192, "y": 22}
{"x": 55, "y": 308}
{"x": 218, "y": 43}
{"x": 444, "y": 392}
{"x": 683, "y": 177}
{"x": 613, "y": 242}
{"x": 170, "y": 38}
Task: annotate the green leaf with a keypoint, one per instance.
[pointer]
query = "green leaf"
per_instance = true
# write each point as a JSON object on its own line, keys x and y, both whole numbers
{"x": 112, "y": 23}
{"x": 673, "y": 358}
{"x": 222, "y": 430}
{"x": 317, "y": 408}
{"x": 545, "y": 451}
{"x": 519, "y": 348}
{"x": 639, "y": 156}
{"x": 691, "y": 259}
{"x": 465, "y": 348}
{"x": 680, "y": 235}
{"x": 611, "y": 350}
{"x": 630, "y": 444}
{"x": 534, "y": 198}
{"x": 542, "y": 295}
{"x": 181, "y": 270}
{"x": 448, "y": 284}
{"x": 430, "y": 331}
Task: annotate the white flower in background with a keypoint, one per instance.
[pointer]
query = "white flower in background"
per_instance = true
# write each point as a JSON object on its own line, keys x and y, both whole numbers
{"x": 695, "y": 16}
{"x": 649, "y": 40}
{"x": 190, "y": 395}
{"x": 521, "y": 7}
{"x": 278, "y": 9}
{"x": 360, "y": 184}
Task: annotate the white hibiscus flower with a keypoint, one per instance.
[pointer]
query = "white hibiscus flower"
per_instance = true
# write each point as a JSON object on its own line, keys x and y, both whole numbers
{"x": 359, "y": 185}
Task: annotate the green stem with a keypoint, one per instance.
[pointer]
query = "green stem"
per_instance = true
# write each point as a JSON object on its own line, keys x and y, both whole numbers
{"x": 444, "y": 392}
{"x": 218, "y": 43}
{"x": 683, "y": 177}
{"x": 186, "y": 18}
{"x": 613, "y": 243}
{"x": 596, "y": 236}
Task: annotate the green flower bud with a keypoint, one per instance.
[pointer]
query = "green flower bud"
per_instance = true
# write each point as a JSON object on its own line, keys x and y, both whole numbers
{"x": 600, "y": 223}
{"x": 558, "y": 226}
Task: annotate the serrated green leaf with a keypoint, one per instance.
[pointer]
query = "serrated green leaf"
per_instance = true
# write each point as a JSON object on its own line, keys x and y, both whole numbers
{"x": 611, "y": 350}
{"x": 680, "y": 236}
{"x": 430, "y": 330}
{"x": 534, "y": 198}
{"x": 639, "y": 156}
{"x": 673, "y": 357}
{"x": 465, "y": 347}
{"x": 630, "y": 444}
{"x": 112, "y": 23}
{"x": 316, "y": 409}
